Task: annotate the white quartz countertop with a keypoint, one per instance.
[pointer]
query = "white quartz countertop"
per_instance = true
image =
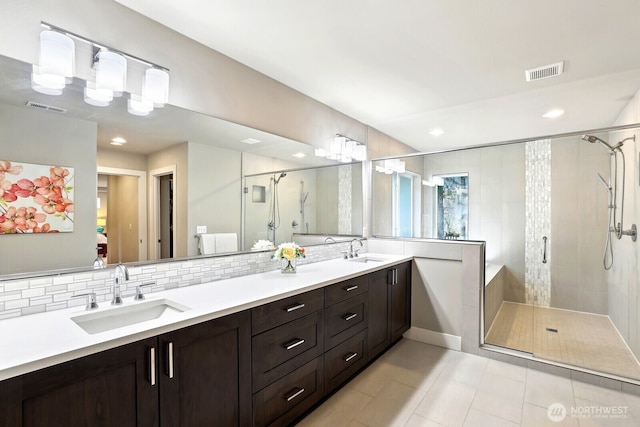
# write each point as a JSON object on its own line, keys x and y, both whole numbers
{"x": 37, "y": 341}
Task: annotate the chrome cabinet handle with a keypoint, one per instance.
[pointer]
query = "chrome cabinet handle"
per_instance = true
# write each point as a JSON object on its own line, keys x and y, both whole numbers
{"x": 152, "y": 366}
{"x": 295, "y": 394}
{"x": 351, "y": 288}
{"x": 351, "y": 356}
{"x": 294, "y": 308}
{"x": 170, "y": 351}
{"x": 350, "y": 316}
{"x": 292, "y": 344}
{"x": 544, "y": 251}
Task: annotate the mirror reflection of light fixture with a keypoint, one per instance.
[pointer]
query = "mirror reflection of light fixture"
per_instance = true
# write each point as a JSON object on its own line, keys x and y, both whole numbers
{"x": 56, "y": 63}
{"x": 139, "y": 106}
{"x": 391, "y": 166}
{"x": 343, "y": 149}
{"x": 155, "y": 87}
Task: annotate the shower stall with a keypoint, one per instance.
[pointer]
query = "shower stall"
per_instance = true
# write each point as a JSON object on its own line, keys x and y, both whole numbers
{"x": 572, "y": 297}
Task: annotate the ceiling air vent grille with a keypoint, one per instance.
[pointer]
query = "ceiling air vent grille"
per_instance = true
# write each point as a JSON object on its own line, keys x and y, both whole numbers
{"x": 45, "y": 107}
{"x": 544, "y": 72}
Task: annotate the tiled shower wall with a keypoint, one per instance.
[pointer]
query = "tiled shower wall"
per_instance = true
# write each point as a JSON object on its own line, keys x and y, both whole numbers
{"x": 26, "y": 296}
{"x": 537, "y": 275}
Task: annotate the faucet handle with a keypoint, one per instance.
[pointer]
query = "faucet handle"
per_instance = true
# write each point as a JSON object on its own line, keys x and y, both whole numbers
{"x": 139, "y": 295}
{"x": 91, "y": 300}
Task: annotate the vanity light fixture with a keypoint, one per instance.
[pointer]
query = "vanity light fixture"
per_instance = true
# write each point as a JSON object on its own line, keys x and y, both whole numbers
{"x": 138, "y": 106}
{"x": 552, "y": 114}
{"x": 56, "y": 63}
{"x": 111, "y": 72}
{"x": 391, "y": 166}
{"x": 436, "y": 132}
{"x": 156, "y": 86}
{"x": 97, "y": 98}
{"x": 343, "y": 149}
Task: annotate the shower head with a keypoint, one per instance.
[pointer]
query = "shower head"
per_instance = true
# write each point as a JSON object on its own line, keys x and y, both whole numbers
{"x": 282, "y": 175}
{"x": 593, "y": 139}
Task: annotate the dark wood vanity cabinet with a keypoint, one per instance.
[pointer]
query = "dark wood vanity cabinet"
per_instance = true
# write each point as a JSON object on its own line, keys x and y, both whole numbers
{"x": 110, "y": 388}
{"x": 193, "y": 376}
{"x": 263, "y": 367}
{"x": 389, "y": 306}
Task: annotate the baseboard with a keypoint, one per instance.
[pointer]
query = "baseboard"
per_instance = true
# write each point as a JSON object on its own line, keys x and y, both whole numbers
{"x": 440, "y": 339}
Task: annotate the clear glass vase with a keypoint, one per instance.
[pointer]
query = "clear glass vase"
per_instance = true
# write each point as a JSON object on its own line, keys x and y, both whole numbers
{"x": 288, "y": 267}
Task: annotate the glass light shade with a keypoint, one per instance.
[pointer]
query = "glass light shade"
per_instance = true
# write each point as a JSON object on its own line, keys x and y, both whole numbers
{"x": 98, "y": 98}
{"x": 336, "y": 145}
{"x": 320, "y": 152}
{"x": 111, "y": 72}
{"x": 57, "y": 57}
{"x": 139, "y": 106}
{"x": 156, "y": 86}
{"x": 359, "y": 152}
{"x": 47, "y": 87}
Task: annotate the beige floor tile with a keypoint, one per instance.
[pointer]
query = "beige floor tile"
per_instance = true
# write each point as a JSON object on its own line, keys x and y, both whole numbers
{"x": 597, "y": 394}
{"x": 500, "y": 396}
{"x": 419, "y": 421}
{"x": 465, "y": 368}
{"x": 633, "y": 403}
{"x": 338, "y": 410}
{"x": 372, "y": 380}
{"x": 543, "y": 389}
{"x": 392, "y": 406}
{"x": 590, "y": 413}
{"x": 503, "y": 369}
{"x": 536, "y": 416}
{"x": 477, "y": 418}
{"x": 447, "y": 402}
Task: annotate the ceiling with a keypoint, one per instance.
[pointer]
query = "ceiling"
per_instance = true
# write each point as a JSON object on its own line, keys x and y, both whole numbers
{"x": 407, "y": 67}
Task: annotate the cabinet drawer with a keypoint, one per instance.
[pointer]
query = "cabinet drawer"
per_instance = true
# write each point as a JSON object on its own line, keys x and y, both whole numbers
{"x": 279, "y": 351}
{"x": 344, "y": 319}
{"x": 347, "y": 289}
{"x": 286, "y": 399}
{"x": 344, "y": 360}
{"x": 280, "y": 312}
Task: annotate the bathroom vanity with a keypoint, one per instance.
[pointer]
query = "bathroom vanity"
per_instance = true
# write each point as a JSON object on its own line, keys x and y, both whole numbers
{"x": 261, "y": 360}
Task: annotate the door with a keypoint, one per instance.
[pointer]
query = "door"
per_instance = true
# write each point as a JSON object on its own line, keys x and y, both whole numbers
{"x": 205, "y": 374}
{"x": 166, "y": 216}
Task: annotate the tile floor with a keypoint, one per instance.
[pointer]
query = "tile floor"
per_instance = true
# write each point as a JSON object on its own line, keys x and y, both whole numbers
{"x": 582, "y": 339}
{"x": 415, "y": 384}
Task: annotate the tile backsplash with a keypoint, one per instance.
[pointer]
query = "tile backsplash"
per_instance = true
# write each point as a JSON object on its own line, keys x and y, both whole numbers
{"x": 21, "y": 297}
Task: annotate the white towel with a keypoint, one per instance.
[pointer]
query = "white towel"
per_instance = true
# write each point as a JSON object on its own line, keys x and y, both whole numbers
{"x": 207, "y": 244}
{"x": 226, "y": 242}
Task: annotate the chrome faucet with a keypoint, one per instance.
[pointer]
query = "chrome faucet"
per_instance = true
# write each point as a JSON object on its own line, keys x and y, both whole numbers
{"x": 99, "y": 264}
{"x": 352, "y": 253}
{"x": 329, "y": 238}
{"x": 121, "y": 271}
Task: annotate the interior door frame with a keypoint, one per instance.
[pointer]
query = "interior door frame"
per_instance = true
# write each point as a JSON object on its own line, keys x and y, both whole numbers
{"x": 154, "y": 204}
{"x": 142, "y": 203}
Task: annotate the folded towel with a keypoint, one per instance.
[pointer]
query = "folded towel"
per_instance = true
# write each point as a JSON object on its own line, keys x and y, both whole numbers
{"x": 207, "y": 244}
{"x": 226, "y": 242}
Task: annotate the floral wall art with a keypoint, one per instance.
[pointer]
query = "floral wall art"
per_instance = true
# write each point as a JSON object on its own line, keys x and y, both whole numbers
{"x": 35, "y": 198}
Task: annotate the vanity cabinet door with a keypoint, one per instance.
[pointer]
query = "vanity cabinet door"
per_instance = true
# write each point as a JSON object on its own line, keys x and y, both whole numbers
{"x": 110, "y": 388}
{"x": 379, "y": 333}
{"x": 401, "y": 301}
{"x": 205, "y": 374}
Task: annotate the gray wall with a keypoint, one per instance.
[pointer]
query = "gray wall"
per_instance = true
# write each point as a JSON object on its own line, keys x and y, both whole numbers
{"x": 61, "y": 141}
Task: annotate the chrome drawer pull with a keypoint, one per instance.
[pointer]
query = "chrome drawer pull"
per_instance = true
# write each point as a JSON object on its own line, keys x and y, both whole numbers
{"x": 294, "y": 308}
{"x": 349, "y": 357}
{"x": 293, "y": 343}
{"x": 294, "y": 395}
{"x": 350, "y": 316}
{"x": 152, "y": 366}
{"x": 170, "y": 360}
{"x": 351, "y": 288}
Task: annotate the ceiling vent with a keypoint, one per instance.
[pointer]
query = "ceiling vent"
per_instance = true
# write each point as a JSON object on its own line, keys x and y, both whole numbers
{"x": 544, "y": 72}
{"x": 45, "y": 107}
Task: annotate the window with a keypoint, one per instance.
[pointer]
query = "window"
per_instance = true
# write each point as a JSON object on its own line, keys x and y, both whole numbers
{"x": 406, "y": 204}
{"x": 452, "y": 199}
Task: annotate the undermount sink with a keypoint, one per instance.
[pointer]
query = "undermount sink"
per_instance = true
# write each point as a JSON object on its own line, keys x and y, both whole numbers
{"x": 366, "y": 258}
{"x": 127, "y": 315}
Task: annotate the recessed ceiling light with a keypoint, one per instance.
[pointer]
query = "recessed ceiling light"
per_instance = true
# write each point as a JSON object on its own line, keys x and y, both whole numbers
{"x": 552, "y": 114}
{"x": 437, "y": 132}
{"x": 250, "y": 141}
{"x": 118, "y": 141}
{"x": 299, "y": 155}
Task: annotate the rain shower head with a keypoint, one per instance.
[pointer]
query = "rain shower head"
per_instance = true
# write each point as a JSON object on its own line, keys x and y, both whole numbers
{"x": 593, "y": 139}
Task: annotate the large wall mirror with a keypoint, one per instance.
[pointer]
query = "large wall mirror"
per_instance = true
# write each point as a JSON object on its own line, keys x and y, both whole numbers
{"x": 179, "y": 174}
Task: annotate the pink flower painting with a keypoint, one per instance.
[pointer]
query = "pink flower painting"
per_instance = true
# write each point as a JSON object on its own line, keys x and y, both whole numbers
{"x": 35, "y": 198}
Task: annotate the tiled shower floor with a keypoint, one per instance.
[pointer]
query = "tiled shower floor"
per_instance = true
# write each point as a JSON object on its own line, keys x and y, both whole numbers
{"x": 582, "y": 339}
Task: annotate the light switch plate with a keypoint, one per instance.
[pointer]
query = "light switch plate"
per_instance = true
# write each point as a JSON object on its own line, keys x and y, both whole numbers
{"x": 201, "y": 229}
